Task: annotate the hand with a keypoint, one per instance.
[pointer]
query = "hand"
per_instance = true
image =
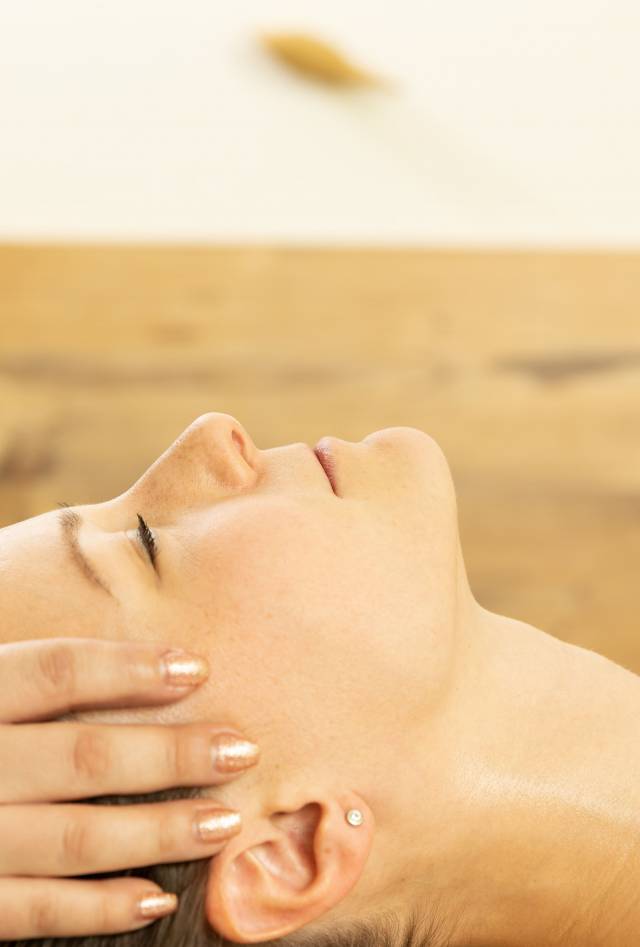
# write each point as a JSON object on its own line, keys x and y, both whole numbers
{"x": 44, "y": 763}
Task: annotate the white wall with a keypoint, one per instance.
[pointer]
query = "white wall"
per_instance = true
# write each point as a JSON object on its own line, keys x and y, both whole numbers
{"x": 518, "y": 122}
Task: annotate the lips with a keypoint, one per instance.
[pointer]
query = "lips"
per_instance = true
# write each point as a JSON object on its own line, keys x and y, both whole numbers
{"x": 325, "y": 457}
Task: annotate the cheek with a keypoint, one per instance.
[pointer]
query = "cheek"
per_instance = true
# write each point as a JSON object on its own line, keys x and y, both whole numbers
{"x": 331, "y": 621}
{"x": 303, "y": 603}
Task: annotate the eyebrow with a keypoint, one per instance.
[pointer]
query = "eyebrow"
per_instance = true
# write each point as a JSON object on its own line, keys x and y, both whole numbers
{"x": 70, "y": 523}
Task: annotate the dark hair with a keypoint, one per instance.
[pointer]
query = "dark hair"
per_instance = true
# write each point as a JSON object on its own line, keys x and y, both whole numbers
{"x": 188, "y": 926}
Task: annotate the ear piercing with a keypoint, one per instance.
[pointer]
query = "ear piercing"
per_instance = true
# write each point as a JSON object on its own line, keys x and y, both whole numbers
{"x": 354, "y": 817}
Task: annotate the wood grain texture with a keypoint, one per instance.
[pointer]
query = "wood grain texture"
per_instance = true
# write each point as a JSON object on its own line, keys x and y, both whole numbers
{"x": 524, "y": 366}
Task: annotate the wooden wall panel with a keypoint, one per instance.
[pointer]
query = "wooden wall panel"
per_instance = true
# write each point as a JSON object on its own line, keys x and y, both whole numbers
{"x": 525, "y": 367}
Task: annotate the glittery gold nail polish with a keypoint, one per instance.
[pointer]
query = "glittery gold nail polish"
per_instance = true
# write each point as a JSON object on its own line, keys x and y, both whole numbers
{"x": 213, "y": 825}
{"x": 182, "y": 669}
{"x": 231, "y": 754}
{"x": 157, "y": 905}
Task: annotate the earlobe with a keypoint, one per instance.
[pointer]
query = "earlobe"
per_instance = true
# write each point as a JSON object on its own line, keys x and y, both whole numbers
{"x": 281, "y": 872}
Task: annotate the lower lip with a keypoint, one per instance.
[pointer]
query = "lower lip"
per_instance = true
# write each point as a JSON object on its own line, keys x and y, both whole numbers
{"x": 325, "y": 457}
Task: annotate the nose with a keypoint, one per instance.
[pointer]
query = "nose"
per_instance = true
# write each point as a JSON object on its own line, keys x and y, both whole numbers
{"x": 224, "y": 447}
{"x": 213, "y": 457}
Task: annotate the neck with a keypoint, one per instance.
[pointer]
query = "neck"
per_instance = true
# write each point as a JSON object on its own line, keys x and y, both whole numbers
{"x": 530, "y": 790}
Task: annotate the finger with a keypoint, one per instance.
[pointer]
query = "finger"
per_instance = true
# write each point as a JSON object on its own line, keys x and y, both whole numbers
{"x": 44, "y": 678}
{"x": 86, "y": 839}
{"x": 51, "y": 907}
{"x": 63, "y": 761}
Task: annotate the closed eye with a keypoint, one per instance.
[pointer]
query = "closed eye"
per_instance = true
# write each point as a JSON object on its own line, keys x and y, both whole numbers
{"x": 148, "y": 540}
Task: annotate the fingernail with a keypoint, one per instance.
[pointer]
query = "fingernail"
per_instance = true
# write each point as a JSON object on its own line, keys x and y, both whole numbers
{"x": 182, "y": 669}
{"x": 230, "y": 754}
{"x": 157, "y": 905}
{"x": 212, "y": 825}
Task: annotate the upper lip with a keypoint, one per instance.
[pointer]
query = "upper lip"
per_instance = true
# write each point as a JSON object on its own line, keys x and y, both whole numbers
{"x": 327, "y": 462}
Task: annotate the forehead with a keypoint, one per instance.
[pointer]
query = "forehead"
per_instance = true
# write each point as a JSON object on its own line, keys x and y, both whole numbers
{"x": 48, "y": 594}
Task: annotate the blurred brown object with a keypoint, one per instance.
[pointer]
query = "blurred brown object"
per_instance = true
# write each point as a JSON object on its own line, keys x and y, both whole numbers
{"x": 525, "y": 367}
{"x": 316, "y": 59}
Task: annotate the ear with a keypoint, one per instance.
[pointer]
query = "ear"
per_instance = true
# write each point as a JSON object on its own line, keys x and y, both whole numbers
{"x": 281, "y": 872}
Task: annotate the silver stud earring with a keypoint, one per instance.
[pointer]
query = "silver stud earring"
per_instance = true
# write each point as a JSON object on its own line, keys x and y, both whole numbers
{"x": 354, "y": 817}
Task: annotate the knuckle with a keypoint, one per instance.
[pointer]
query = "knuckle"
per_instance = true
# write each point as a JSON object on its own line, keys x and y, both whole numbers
{"x": 90, "y": 756}
{"x": 57, "y": 667}
{"x": 107, "y": 910}
{"x": 75, "y": 843}
{"x": 178, "y": 755}
{"x": 44, "y": 913}
{"x": 168, "y": 836}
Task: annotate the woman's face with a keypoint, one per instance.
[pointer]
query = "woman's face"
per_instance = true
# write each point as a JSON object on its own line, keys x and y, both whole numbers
{"x": 328, "y": 618}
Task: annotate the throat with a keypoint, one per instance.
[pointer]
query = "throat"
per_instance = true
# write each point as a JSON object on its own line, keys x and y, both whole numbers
{"x": 543, "y": 791}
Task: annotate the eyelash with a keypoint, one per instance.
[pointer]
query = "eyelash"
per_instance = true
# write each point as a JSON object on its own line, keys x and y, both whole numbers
{"x": 147, "y": 538}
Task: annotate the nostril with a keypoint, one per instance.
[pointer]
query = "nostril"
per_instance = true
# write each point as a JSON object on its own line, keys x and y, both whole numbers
{"x": 243, "y": 444}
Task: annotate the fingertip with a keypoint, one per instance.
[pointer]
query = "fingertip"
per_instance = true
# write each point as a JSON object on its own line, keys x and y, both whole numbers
{"x": 181, "y": 669}
{"x": 155, "y": 904}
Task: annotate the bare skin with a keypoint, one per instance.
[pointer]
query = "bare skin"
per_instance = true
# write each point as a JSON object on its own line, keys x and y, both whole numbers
{"x": 534, "y": 821}
{"x": 497, "y": 768}
{"x": 45, "y": 842}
